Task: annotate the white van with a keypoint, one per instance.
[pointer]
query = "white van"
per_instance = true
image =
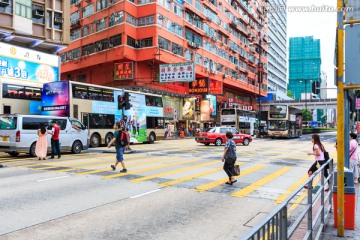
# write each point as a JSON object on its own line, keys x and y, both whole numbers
{"x": 18, "y": 133}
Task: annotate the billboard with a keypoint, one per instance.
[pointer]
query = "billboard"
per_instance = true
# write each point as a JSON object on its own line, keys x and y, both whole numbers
{"x": 212, "y": 99}
{"x": 55, "y": 99}
{"x": 188, "y": 108}
{"x": 177, "y": 72}
{"x": 205, "y": 110}
{"x": 24, "y": 64}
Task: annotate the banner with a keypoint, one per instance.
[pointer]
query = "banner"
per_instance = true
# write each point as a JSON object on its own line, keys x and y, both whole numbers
{"x": 177, "y": 72}
{"x": 188, "y": 108}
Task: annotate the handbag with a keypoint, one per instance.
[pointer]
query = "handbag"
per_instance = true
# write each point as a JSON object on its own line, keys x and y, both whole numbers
{"x": 326, "y": 155}
{"x": 236, "y": 170}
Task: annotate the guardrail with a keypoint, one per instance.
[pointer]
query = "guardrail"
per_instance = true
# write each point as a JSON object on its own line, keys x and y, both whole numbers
{"x": 278, "y": 225}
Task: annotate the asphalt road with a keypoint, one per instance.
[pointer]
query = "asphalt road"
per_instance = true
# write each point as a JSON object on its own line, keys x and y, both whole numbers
{"x": 173, "y": 190}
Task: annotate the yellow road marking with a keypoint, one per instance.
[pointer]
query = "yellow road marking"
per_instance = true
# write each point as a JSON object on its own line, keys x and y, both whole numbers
{"x": 252, "y": 187}
{"x": 141, "y": 162}
{"x": 300, "y": 198}
{"x": 173, "y": 171}
{"x": 176, "y": 181}
{"x": 292, "y": 188}
{"x": 216, "y": 183}
{"x": 149, "y": 169}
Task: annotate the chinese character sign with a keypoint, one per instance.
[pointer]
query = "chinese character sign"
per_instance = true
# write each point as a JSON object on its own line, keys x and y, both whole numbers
{"x": 215, "y": 87}
{"x": 199, "y": 86}
{"x": 188, "y": 108}
{"x": 124, "y": 71}
{"x": 177, "y": 72}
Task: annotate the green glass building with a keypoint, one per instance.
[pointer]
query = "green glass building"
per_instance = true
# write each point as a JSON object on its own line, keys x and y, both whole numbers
{"x": 304, "y": 66}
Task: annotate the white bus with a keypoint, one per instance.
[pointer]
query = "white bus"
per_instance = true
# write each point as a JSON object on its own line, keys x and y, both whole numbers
{"x": 97, "y": 108}
{"x": 242, "y": 120}
{"x": 18, "y": 96}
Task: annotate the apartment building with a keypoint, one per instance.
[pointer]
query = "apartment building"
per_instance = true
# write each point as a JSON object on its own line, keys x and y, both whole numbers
{"x": 41, "y": 25}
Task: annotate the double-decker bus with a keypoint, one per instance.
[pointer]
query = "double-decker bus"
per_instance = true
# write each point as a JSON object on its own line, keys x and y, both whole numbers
{"x": 284, "y": 121}
{"x": 243, "y": 120}
{"x": 97, "y": 107}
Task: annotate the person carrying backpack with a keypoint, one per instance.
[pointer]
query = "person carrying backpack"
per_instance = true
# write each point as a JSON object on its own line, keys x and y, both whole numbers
{"x": 121, "y": 142}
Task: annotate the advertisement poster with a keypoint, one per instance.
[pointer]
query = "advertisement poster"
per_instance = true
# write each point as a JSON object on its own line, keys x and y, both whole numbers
{"x": 21, "y": 63}
{"x": 205, "y": 110}
{"x": 188, "y": 108}
{"x": 212, "y": 99}
{"x": 55, "y": 99}
{"x": 171, "y": 107}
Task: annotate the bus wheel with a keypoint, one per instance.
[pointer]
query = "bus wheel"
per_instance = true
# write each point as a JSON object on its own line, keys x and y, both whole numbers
{"x": 152, "y": 138}
{"x": 95, "y": 140}
{"x": 76, "y": 147}
{"x": 246, "y": 142}
{"x": 13, "y": 154}
{"x": 108, "y": 138}
{"x": 207, "y": 144}
{"x": 218, "y": 142}
{"x": 32, "y": 150}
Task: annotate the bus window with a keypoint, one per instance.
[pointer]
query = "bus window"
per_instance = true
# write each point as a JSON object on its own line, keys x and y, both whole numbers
{"x": 95, "y": 93}
{"x": 155, "y": 122}
{"x": 228, "y": 112}
{"x": 95, "y": 121}
{"x": 109, "y": 120}
{"x": 79, "y": 91}
{"x": 108, "y": 95}
{"x": 158, "y": 101}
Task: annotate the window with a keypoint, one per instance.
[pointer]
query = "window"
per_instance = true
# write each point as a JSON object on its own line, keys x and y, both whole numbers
{"x": 130, "y": 19}
{"x": 108, "y": 95}
{"x": 8, "y": 123}
{"x": 155, "y": 123}
{"x": 48, "y": 19}
{"x": 116, "y": 18}
{"x": 23, "y": 8}
{"x": 115, "y": 40}
{"x": 177, "y": 10}
{"x": 74, "y": 16}
{"x": 79, "y": 91}
{"x": 58, "y": 20}
{"x": 81, "y": 78}
{"x": 100, "y": 24}
{"x": 88, "y": 49}
{"x": 192, "y": 37}
{"x": 76, "y": 124}
{"x": 146, "y": 20}
{"x": 32, "y": 123}
{"x": 74, "y": 34}
{"x": 88, "y": 10}
{"x": 131, "y": 42}
{"x": 7, "y": 8}
{"x": 38, "y": 14}
{"x": 21, "y": 92}
{"x": 85, "y": 31}
{"x": 146, "y": 42}
{"x": 95, "y": 93}
{"x": 101, "y": 4}
{"x": 177, "y": 49}
{"x": 188, "y": 54}
{"x": 153, "y": 101}
{"x": 99, "y": 121}
{"x": 164, "y": 43}
{"x": 198, "y": 5}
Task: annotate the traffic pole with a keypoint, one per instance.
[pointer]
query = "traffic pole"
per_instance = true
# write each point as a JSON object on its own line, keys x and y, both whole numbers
{"x": 340, "y": 119}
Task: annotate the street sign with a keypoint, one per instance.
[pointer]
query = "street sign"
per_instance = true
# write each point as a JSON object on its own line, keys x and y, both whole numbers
{"x": 352, "y": 55}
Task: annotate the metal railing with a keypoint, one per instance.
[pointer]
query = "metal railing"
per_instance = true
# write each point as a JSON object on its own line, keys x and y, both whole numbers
{"x": 278, "y": 224}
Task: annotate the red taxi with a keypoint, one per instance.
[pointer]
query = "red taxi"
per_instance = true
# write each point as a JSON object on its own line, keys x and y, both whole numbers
{"x": 216, "y": 135}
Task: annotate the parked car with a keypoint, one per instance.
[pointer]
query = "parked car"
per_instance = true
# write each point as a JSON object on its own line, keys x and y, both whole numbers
{"x": 216, "y": 135}
{"x": 18, "y": 133}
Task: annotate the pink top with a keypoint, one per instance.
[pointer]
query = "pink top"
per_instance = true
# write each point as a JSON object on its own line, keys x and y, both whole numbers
{"x": 321, "y": 157}
{"x": 353, "y": 150}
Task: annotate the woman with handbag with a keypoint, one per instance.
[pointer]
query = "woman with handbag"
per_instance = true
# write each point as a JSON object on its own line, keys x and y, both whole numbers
{"x": 354, "y": 156}
{"x": 229, "y": 158}
{"x": 318, "y": 151}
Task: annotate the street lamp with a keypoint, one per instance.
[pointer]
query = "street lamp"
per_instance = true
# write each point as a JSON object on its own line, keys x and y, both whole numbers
{"x": 259, "y": 75}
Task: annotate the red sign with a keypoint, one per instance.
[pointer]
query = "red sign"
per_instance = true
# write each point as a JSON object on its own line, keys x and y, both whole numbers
{"x": 168, "y": 110}
{"x": 215, "y": 87}
{"x": 199, "y": 86}
{"x": 124, "y": 71}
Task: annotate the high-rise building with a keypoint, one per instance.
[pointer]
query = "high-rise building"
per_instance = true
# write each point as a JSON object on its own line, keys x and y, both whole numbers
{"x": 39, "y": 25}
{"x": 323, "y": 85}
{"x": 277, "y": 56}
{"x": 304, "y": 67}
{"x": 224, "y": 39}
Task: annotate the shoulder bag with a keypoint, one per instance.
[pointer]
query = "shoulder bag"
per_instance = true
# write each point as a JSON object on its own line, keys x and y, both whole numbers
{"x": 236, "y": 170}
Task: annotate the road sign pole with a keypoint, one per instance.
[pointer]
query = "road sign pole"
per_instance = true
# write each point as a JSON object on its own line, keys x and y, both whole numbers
{"x": 340, "y": 119}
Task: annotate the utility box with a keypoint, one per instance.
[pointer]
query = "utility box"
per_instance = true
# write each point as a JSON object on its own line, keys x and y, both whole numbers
{"x": 349, "y": 200}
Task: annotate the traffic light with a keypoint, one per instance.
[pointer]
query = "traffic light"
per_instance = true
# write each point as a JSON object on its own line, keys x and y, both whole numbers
{"x": 315, "y": 87}
{"x": 121, "y": 101}
{"x": 127, "y": 101}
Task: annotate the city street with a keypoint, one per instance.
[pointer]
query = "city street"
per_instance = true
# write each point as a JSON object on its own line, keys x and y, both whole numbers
{"x": 173, "y": 189}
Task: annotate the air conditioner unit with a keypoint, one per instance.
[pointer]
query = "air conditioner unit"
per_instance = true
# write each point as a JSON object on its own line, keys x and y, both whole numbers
{"x": 4, "y": 3}
{"x": 58, "y": 20}
{"x": 111, "y": 45}
{"x": 208, "y": 18}
{"x": 197, "y": 45}
{"x": 37, "y": 13}
{"x": 70, "y": 58}
{"x": 192, "y": 44}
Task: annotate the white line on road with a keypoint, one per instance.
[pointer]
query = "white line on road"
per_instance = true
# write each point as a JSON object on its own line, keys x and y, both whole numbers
{"x": 140, "y": 195}
{"x": 48, "y": 179}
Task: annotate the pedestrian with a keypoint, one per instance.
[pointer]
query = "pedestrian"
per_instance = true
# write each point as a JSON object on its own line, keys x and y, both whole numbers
{"x": 229, "y": 158}
{"x": 55, "y": 144}
{"x": 318, "y": 152}
{"x": 354, "y": 156}
{"x": 119, "y": 134}
{"x": 41, "y": 143}
{"x": 166, "y": 131}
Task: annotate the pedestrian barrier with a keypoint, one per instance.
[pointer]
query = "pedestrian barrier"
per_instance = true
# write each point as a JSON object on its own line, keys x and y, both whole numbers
{"x": 279, "y": 225}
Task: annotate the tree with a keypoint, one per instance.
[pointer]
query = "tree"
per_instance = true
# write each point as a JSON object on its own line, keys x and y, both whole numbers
{"x": 306, "y": 115}
{"x": 290, "y": 94}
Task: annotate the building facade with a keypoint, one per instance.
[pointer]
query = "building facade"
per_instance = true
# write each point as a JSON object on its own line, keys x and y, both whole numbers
{"x": 323, "y": 85}
{"x": 39, "y": 25}
{"x": 222, "y": 38}
{"x": 304, "y": 67}
{"x": 277, "y": 22}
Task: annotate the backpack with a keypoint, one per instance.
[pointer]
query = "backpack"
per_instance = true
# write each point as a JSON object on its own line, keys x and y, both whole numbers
{"x": 230, "y": 156}
{"x": 122, "y": 138}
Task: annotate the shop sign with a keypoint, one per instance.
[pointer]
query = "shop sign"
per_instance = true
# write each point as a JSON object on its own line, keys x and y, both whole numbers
{"x": 215, "y": 87}
{"x": 124, "y": 71}
{"x": 177, "y": 72}
{"x": 199, "y": 86}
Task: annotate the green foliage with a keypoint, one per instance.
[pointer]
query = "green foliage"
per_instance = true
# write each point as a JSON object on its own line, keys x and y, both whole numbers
{"x": 306, "y": 115}
{"x": 290, "y": 94}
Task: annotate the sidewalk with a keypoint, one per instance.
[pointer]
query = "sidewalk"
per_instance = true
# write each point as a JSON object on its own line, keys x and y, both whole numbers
{"x": 331, "y": 232}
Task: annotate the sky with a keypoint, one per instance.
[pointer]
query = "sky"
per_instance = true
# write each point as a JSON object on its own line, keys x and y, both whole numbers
{"x": 319, "y": 24}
